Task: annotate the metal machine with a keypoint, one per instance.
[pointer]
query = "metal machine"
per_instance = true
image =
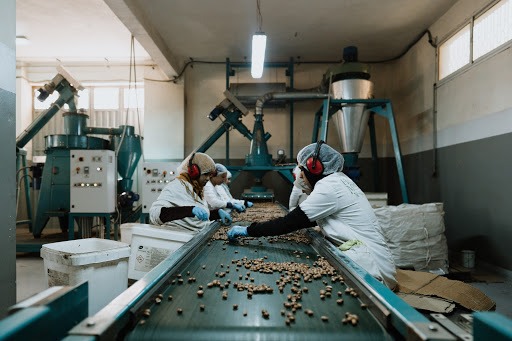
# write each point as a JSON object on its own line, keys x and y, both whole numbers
{"x": 201, "y": 292}
{"x": 79, "y": 178}
{"x": 154, "y": 175}
{"x": 347, "y": 97}
{"x": 258, "y": 162}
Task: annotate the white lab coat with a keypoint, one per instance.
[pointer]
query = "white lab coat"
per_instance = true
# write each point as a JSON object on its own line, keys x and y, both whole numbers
{"x": 226, "y": 195}
{"x": 178, "y": 193}
{"x": 213, "y": 196}
{"x": 343, "y": 213}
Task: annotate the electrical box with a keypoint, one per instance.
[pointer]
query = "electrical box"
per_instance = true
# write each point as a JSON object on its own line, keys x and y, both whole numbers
{"x": 93, "y": 181}
{"x": 155, "y": 176}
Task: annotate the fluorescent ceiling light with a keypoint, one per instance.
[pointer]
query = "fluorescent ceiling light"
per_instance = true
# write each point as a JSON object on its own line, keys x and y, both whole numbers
{"x": 259, "y": 42}
{"x": 21, "y": 40}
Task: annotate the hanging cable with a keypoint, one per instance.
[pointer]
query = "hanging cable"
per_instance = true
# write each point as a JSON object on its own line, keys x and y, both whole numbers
{"x": 259, "y": 16}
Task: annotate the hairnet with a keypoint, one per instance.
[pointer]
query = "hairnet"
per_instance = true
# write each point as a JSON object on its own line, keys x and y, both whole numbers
{"x": 202, "y": 160}
{"x": 331, "y": 159}
{"x": 221, "y": 169}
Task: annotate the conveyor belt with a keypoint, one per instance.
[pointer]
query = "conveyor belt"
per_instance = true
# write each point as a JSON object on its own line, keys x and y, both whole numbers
{"x": 145, "y": 312}
{"x": 219, "y": 320}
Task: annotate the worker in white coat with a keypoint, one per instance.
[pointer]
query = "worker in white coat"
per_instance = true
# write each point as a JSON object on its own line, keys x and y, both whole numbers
{"x": 181, "y": 203}
{"x": 225, "y": 192}
{"x": 299, "y": 190}
{"x": 215, "y": 195}
{"x": 339, "y": 208}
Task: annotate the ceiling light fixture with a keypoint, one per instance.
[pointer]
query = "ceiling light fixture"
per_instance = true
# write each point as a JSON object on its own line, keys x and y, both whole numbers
{"x": 21, "y": 40}
{"x": 259, "y": 42}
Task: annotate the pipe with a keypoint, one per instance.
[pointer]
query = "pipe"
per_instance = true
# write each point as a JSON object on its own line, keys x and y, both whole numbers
{"x": 286, "y": 96}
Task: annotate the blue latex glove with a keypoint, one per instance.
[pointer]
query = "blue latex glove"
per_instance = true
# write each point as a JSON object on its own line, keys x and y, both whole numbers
{"x": 249, "y": 204}
{"x": 237, "y": 231}
{"x": 238, "y": 207}
{"x": 225, "y": 217}
{"x": 200, "y": 213}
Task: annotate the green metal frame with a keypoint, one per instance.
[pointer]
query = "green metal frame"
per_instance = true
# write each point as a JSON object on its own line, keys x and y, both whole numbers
{"x": 491, "y": 326}
{"x": 49, "y": 318}
{"x": 381, "y": 107}
{"x": 21, "y": 165}
{"x": 288, "y": 72}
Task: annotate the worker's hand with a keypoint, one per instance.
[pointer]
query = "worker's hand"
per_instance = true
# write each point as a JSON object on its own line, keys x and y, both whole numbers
{"x": 225, "y": 217}
{"x": 237, "y": 231}
{"x": 238, "y": 207}
{"x": 200, "y": 213}
{"x": 249, "y": 204}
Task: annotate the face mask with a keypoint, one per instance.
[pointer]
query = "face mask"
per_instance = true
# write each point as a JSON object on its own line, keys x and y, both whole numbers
{"x": 299, "y": 182}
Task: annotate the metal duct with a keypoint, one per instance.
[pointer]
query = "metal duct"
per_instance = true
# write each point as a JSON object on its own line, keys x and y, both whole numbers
{"x": 248, "y": 93}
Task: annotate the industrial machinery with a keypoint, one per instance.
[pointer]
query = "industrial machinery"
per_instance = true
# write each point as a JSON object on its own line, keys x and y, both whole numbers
{"x": 258, "y": 162}
{"x": 266, "y": 288}
{"x": 293, "y": 287}
{"x": 79, "y": 175}
{"x": 347, "y": 97}
{"x": 154, "y": 175}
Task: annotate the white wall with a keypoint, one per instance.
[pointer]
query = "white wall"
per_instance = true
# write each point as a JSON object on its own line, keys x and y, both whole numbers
{"x": 164, "y": 122}
{"x": 475, "y": 103}
{"x": 23, "y": 106}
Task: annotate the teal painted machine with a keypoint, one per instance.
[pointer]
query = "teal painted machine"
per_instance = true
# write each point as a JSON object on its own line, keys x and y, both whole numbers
{"x": 54, "y": 197}
{"x": 347, "y": 98}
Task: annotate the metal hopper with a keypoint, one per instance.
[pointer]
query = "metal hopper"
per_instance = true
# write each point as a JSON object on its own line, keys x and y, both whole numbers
{"x": 352, "y": 119}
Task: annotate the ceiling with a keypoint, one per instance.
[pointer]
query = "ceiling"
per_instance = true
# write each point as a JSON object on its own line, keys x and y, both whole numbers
{"x": 173, "y": 32}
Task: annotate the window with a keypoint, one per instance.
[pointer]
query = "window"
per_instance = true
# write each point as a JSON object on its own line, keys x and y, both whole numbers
{"x": 493, "y": 28}
{"x": 490, "y": 30}
{"x": 454, "y": 53}
{"x": 106, "y": 98}
{"x": 134, "y": 99}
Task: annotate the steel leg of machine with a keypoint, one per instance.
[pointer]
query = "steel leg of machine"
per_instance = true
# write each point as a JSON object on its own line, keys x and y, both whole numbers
{"x": 71, "y": 224}
{"x": 21, "y": 160}
{"x": 388, "y": 114}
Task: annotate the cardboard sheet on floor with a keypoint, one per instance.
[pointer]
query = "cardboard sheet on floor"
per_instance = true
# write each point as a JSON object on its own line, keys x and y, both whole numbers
{"x": 425, "y": 283}
{"x": 434, "y": 304}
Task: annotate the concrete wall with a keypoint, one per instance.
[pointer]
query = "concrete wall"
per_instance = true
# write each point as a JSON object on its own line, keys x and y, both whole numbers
{"x": 469, "y": 170}
{"x": 7, "y": 154}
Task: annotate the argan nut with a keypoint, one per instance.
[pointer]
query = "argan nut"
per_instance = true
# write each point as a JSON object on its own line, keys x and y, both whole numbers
{"x": 141, "y": 322}
{"x": 200, "y": 293}
{"x": 201, "y": 307}
{"x": 158, "y": 300}
{"x": 146, "y": 312}
{"x": 364, "y": 306}
{"x": 179, "y": 311}
{"x": 245, "y": 313}
{"x": 160, "y": 296}
{"x": 340, "y": 301}
{"x": 235, "y": 306}
{"x": 169, "y": 297}
{"x": 324, "y": 318}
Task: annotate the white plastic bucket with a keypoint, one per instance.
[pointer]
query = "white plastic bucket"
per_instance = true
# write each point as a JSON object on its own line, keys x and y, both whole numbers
{"x": 101, "y": 262}
{"x": 468, "y": 259}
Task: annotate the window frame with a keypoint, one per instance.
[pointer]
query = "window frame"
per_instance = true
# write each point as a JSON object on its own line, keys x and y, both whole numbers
{"x": 473, "y": 62}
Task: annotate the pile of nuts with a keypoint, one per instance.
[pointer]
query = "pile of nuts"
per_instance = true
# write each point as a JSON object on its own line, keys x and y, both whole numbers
{"x": 260, "y": 212}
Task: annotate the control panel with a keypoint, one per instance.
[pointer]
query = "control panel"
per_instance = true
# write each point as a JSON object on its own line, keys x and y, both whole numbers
{"x": 155, "y": 176}
{"x": 93, "y": 181}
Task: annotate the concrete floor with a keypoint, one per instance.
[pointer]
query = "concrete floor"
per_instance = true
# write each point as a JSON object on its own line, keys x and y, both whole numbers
{"x": 31, "y": 280}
